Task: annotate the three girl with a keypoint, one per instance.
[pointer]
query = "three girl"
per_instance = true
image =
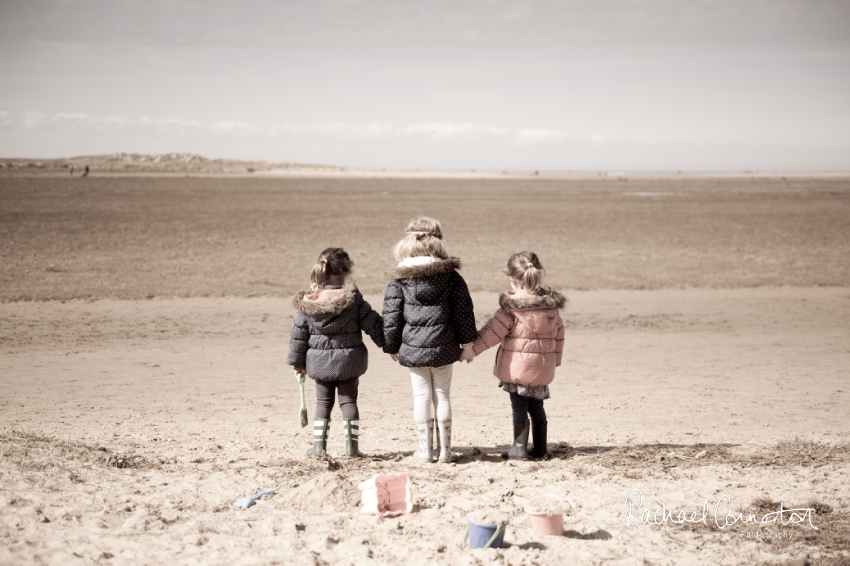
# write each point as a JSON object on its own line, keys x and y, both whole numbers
{"x": 326, "y": 342}
{"x": 427, "y": 325}
{"x": 428, "y": 321}
{"x": 531, "y": 334}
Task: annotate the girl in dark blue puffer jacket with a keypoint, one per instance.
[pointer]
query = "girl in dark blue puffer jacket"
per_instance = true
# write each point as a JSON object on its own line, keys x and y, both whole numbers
{"x": 428, "y": 321}
{"x": 326, "y": 342}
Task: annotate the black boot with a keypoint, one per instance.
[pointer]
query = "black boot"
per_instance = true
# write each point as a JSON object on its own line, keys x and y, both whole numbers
{"x": 519, "y": 450}
{"x": 538, "y": 436}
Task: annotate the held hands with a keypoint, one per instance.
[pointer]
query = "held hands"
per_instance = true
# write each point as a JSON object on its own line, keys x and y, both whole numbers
{"x": 394, "y": 357}
{"x": 467, "y": 354}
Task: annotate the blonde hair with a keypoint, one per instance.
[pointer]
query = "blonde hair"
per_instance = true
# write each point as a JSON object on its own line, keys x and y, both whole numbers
{"x": 332, "y": 261}
{"x": 525, "y": 267}
{"x": 424, "y": 238}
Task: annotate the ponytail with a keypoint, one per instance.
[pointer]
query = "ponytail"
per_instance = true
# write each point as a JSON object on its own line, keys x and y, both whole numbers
{"x": 318, "y": 276}
{"x": 525, "y": 267}
{"x": 332, "y": 261}
{"x": 532, "y": 277}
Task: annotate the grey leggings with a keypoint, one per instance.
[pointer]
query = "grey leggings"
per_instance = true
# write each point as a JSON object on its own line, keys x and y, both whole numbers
{"x": 347, "y": 398}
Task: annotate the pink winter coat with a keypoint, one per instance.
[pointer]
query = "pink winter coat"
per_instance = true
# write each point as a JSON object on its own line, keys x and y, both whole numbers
{"x": 532, "y": 336}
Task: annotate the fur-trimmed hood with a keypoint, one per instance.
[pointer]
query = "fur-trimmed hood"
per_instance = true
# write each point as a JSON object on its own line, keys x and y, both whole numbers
{"x": 315, "y": 308}
{"x": 551, "y": 300}
{"x": 428, "y": 270}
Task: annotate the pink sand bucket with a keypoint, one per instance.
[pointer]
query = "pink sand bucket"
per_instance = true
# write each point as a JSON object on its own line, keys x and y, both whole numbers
{"x": 387, "y": 495}
{"x": 546, "y": 514}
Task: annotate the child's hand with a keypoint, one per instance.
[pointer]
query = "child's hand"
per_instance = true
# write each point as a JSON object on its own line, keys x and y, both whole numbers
{"x": 467, "y": 354}
{"x": 394, "y": 357}
{"x": 298, "y": 372}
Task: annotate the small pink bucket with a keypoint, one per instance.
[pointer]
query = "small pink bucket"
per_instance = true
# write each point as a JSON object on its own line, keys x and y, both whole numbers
{"x": 546, "y": 514}
{"x": 387, "y": 495}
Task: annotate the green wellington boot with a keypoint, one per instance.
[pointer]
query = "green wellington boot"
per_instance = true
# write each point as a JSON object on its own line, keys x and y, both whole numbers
{"x": 519, "y": 450}
{"x": 351, "y": 428}
{"x": 320, "y": 438}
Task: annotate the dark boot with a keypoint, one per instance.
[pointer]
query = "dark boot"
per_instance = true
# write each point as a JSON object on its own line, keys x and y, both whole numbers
{"x": 519, "y": 450}
{"x": 538, "y": 435}
{"x": 320, "y": 438}
{"x": 351, "y": 428}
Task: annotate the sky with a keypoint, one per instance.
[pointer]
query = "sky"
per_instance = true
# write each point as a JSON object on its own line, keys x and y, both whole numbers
{"x": 596, "y": 85}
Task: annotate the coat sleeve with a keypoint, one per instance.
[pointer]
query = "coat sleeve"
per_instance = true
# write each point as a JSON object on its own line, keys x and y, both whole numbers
{"x": 299, "y": 342}
{"x": 463, "y": 316}
{"x": 371, "y": 323}
{"x": 493, "y": 332}
{"x": 393, "y": 317}
{"x": 559, "y": 342}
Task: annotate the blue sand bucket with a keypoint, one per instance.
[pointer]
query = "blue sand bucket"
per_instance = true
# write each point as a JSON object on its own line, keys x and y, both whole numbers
{"x": 485, "y": 536}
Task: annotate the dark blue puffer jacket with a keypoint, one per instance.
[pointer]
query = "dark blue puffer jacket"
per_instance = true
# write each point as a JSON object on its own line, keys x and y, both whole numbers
{"x": 326, "y": 337}
{"x": 428, "y": 314}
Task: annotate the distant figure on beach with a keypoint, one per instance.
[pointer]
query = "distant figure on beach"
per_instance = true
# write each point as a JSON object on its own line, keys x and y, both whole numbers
{"x": 72, "y": 170}
{"x": 530, "y": 332}
{"x": 326, "y": 344}
{"x": 428, "y": 322}
{"x": 86, "y": 172}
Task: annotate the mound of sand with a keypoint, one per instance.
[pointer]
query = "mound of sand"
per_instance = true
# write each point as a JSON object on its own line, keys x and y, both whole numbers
{"x": 329, "y": 491}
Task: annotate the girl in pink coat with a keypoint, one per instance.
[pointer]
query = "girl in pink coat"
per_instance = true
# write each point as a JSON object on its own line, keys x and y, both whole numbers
{"x": 531, "y": 333}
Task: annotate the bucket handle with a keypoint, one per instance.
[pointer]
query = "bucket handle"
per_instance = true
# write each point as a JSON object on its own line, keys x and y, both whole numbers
{"x": 563, "y": 511}
{"x": 492, "y": 538}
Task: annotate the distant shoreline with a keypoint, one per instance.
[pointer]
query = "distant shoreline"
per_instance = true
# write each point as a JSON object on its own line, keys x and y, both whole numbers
{"x": 352, "y": 173}
{"x": 188, "y": 164}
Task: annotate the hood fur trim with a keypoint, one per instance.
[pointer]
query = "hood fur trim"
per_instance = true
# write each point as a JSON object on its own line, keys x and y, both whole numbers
{"x": 315, "y": 308}
{"x": 552, "y": 300}
{"x": 428, "y": 270}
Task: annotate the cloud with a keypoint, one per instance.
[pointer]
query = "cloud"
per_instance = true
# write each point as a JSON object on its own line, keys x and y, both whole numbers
{"x": 443, "y": 131}
{"x": 437, "y": 132}
{"x": 64, "y": 121}
{"x": 232, "y": 126}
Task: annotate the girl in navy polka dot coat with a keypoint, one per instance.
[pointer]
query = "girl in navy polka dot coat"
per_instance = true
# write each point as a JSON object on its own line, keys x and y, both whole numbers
{"x": 428, "y": 321}
{"x": 326, "y": 342}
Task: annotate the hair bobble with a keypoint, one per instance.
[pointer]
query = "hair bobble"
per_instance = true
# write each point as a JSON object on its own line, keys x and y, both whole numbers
{"x": 529, "y": 265}
{"x": 423, "y": 235}
{"x": 323, "y": 260}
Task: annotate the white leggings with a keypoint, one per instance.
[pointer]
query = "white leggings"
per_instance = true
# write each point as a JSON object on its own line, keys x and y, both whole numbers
{"x": 432, "y": 385}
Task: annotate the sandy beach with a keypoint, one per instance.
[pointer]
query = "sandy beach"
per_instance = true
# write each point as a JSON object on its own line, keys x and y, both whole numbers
{"x": 144, "y": 330}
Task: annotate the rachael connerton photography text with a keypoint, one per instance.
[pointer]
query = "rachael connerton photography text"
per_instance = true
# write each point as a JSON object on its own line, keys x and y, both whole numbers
{"x": 723, "y": 514}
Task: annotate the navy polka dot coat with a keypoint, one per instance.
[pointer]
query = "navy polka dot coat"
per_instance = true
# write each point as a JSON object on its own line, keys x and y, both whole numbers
{"x": 428, "y": 314}
{"x": 327, "y": 338}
